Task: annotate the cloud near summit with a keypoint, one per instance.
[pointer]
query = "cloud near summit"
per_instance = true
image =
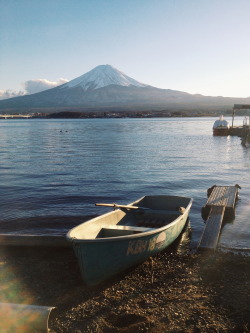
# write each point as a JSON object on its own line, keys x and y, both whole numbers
{"x": 32, "y": 87}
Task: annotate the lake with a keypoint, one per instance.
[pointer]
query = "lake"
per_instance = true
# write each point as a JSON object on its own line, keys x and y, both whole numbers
{"x": 54, "y": 171}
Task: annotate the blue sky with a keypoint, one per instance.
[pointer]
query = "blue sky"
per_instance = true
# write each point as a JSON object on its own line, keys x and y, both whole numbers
{"x": 197, "y": 46}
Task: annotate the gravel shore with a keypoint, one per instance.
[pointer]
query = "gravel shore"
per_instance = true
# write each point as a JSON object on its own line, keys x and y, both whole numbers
{"x": 172, "y": 292}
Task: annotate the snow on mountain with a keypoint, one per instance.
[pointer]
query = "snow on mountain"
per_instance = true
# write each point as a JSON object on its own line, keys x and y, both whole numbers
{"x": 102, "y": 76}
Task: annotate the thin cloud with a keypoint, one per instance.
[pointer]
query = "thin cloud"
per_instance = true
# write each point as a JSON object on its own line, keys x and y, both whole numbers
{"x": 32, "y": 87}
{"x": 38, "y": 85}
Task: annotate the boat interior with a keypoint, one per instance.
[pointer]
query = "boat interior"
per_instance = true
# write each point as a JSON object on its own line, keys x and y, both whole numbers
{"x": 152, "y": 214}
{"x": 122, "y": 222}
{"x": 135, "y": 222}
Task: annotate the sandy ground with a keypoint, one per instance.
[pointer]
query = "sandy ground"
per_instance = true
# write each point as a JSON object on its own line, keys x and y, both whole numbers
{"x": 173, "y": 292}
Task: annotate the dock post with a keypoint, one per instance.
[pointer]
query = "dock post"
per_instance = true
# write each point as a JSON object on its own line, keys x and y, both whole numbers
{"x": 233, "y": 117}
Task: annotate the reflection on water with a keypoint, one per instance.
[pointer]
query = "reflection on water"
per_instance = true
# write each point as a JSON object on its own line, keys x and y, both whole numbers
{"x": 56, "y": 170}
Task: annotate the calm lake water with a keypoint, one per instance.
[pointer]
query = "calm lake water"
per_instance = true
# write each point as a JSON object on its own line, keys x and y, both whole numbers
{"x": 54, "y": 171}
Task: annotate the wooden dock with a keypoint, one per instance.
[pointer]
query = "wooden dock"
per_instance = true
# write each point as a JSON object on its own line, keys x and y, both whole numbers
{"x": 219, "y": 207}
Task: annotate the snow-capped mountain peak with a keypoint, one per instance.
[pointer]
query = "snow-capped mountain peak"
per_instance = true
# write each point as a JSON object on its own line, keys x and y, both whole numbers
{"x": 102, "y": 76}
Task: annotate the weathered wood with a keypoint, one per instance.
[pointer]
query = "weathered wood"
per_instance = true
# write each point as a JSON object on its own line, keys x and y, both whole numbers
{"x": 211, "y": 233}
{"x": 222, "y": 196}
{"x": 219, "y": 207}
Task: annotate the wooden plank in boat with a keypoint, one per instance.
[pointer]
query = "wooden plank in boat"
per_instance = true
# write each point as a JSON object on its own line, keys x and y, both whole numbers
{"x": 128, "y": 227}
{"x": 121, "y": 230}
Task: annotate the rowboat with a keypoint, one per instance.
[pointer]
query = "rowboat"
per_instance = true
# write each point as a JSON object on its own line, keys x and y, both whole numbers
{"x": 128, "y": 235}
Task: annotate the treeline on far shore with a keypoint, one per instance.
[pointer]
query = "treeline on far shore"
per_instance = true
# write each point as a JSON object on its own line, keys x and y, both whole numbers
{"x": 122, "y": 114}
{"x": 114, "y": 114}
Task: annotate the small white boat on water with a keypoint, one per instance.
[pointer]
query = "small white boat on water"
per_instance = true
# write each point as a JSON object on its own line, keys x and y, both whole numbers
{"x": 221, "y": 127}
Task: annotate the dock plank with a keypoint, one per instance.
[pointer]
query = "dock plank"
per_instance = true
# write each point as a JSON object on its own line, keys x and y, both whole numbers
{"x": 211, "y": 233}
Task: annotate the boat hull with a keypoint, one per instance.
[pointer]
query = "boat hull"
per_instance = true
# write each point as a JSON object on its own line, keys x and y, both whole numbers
{"x": 102, "y": 258}
{"x": 221, "y": 131}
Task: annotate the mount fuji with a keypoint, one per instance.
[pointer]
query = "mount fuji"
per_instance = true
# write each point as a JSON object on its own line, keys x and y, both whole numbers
{"x": 102, "y": 76}
{"x": 107, "y": 88}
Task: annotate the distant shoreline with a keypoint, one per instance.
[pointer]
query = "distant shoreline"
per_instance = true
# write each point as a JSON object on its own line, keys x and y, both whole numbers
{"x": 110, "y": 114}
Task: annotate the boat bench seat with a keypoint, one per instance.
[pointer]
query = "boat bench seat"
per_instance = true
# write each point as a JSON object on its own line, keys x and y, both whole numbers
{"x": 121, "y": 230}
{"x": 160, "y": 211}
{"x": 128, "y": 227}
{"x": 156, "y": 218}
